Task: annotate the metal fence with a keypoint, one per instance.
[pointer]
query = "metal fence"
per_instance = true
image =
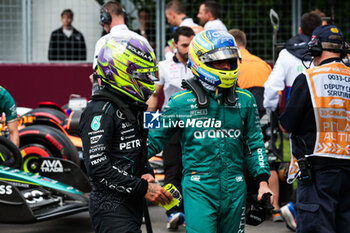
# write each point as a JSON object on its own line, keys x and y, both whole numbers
{"x": 11, "y": 30}
{"x": 26, "y": 25}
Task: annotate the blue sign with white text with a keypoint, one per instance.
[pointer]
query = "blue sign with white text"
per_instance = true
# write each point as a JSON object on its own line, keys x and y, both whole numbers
{"x": 151, "y": 120}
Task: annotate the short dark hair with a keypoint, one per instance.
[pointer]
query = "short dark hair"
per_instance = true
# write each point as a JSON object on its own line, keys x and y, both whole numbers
{"x": 67, "y": 12}
{"x": 318, "y": 12}
{"x": 175, "y": 6}
{"x": 240, "y": 37}
{"x": 309, "y": 21}
{"x": 213, "y": 7}
{"x": 114, "y": 8}
{"x": 143, "y": 10}
{"x": 183, "y": 31}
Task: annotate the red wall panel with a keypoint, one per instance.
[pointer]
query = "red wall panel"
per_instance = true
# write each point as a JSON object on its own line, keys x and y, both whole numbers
{"x": 33, "y": 83}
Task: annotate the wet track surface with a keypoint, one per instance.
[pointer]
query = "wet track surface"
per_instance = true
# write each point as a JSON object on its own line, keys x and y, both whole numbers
{"x": 80, "y": 223}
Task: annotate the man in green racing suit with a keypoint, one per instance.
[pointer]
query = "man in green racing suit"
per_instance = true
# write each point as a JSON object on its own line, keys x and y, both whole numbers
{"x": 8, "y": 106}
{"x": 219, "y": 132}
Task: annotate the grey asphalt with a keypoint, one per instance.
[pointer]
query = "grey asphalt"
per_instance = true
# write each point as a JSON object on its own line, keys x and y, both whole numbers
{"x": 80, "y": 223}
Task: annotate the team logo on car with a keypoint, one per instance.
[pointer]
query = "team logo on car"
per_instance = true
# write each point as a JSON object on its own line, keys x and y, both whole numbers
{"x": 5, "y": 189}
{"x": 51, "y": 166}
{"x": 95, "y": 124}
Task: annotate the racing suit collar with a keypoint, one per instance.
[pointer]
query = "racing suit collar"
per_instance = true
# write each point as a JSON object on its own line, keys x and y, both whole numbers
{"x": 211, "y": 90}
{"x": 207, "y": 86}
{"x": 134, "y": 105}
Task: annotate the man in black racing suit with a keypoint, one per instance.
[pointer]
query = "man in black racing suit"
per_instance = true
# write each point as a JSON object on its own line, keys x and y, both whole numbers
{"x": 114, "y": 141}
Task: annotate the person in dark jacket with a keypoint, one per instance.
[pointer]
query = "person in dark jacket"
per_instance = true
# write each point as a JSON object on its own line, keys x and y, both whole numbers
{"x": 316, "y": 116}
{"x": 114, "y": 141}
{"x": 289, "y": 63}
{"x": 67, "y": 43}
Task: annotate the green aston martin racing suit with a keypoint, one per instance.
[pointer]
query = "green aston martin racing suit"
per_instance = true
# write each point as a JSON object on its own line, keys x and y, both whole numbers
{"x": 215, "y": 143}
{"x": 7, "y": 105}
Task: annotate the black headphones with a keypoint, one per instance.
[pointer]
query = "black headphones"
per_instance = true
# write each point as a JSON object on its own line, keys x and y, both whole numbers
{"x": 105, "y": 17}
{"x": 315, "y": 46}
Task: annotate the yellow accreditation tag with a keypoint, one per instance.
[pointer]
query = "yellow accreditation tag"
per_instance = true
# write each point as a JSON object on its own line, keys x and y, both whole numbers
{"x": 176, "y": 197}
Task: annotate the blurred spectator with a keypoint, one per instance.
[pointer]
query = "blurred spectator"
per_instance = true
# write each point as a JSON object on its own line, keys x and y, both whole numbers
{"x": 290, "y": 62}
{"x": 8, "y": 106}
{"x": 67, "y": 43}
{"x": 176, "y": 17}
{"x": 112, "y": 19}
{"x": 322, "y": 15}
{"x": 145, "y": 30}
{"x": 208, "y": 16}
{"x": 253, "y": 70}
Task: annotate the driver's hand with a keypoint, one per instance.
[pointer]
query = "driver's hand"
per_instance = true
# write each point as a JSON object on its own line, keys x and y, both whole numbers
{"x": 264, "y": 188}
{"x": 148, "y": 177}
{"x": 157, "y": 194}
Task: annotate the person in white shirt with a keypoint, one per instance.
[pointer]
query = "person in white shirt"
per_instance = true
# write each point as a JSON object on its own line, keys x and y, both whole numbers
{"x": 176, "y": 17}
{"x": 290, "y": 63}
{"x": 112, "y": 19}
{"x": 208, "y": 16}
{"x": 171, "y": 72}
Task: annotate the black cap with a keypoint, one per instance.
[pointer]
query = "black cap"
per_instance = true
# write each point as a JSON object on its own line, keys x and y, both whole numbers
{"x": 328, "y": 33}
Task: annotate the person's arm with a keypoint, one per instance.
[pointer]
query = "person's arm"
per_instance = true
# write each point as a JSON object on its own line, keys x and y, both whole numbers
{"x": 53, "y": 47}
{"x": 155, "y": 193}
{"x": 98, "y": 163}
{"x": 153, "y": 100}
{"x": 168, "y": 52}
{"x": 265, "y": 188}
{"x": 293, "y": 112}
{"x": 148, "y": 173}
{"x": 275, "y": 83}
{"x": 82, "y": 48}
{"x": 158, "y": 138}
{"x": 256, "y": 157}
{"x": 8, "y": 104}
{"x": 13, "y": 130}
